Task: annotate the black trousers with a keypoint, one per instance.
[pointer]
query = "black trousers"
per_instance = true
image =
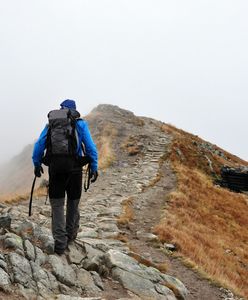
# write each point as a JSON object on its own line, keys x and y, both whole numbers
{"x": 60, "y": 185}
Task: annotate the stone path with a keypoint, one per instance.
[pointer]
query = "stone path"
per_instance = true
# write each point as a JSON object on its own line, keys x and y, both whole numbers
{"x": 97, "y": 264}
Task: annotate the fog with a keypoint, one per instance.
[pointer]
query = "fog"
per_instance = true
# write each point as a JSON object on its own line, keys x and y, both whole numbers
{"x": 182, "y": 62}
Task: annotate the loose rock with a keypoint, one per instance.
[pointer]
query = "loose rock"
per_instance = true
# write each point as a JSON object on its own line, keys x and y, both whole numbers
{"x": 5, "y": 221}
{"x": 13, "y": 241}
{"x": 4, "y": 280}
{"x": 29, "y": 250}
{"x": 62, "y": 271}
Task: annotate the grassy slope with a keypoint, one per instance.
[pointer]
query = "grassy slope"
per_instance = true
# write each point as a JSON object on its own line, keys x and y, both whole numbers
{"x": 209, "y": 224}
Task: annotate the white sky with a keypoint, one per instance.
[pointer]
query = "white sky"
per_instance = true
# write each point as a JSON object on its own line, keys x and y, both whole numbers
{"x": 182, "y": 62}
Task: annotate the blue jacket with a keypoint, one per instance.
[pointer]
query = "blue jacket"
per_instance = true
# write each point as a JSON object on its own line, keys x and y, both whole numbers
{"x": 83, "y": 137}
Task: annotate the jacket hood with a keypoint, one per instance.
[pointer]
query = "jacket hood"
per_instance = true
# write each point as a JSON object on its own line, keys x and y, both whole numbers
{"x": 71, "y": 104}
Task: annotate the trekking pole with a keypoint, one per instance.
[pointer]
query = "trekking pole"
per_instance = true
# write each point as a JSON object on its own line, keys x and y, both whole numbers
{"x": 47, "y": 194}
{"x": 31, "y": 197}
{"x": 87, "y": 178}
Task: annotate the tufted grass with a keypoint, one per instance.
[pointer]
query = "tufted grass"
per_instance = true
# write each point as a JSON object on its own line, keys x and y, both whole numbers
{"x": 16, "y": 198}
{"x": 105, "y": 146}
{"x": 208, "y": 224}
{"x": 127, "y": 212}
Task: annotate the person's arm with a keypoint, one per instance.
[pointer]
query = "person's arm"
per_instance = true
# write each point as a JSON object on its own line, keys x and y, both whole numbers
{"x": 39, "y": 148}
{"x": 90, "y": 147}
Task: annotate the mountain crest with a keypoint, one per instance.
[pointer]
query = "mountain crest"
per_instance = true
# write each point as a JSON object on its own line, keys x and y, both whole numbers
{"x": 154, "y": 201}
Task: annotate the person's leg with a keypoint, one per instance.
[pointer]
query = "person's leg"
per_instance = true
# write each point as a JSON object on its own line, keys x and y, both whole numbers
{"x": 58, "y": 225}
{"x": 72, "y": 218}
{"x": 57, "y": 183}
{"x": 74, "y": 190}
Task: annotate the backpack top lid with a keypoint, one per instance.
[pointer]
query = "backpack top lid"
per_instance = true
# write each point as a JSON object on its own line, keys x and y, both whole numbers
{"x": 58, "y": 114}
{"x": 63, "y": 113}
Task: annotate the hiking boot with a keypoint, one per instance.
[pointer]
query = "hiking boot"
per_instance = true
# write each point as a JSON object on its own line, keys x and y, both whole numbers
{"x": 59, "y": 248}
{"x": 59, "y": 251}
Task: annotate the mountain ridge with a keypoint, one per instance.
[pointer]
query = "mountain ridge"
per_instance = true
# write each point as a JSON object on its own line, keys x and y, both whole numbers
{"x": 155, "y": 185}
{"x": 19, "y": 168}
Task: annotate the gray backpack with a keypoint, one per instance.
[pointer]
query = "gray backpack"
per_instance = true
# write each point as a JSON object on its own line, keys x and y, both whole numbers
{"x": 62, "y": 133}
{"x": 62, "y": 141}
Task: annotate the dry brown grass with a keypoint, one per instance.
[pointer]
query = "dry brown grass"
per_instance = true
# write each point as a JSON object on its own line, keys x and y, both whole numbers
{"x": 122, "y": 237}
{"x": 127, "y": 212}
{"x": 13, "y": 198}
{"x": 131, "y": 145}
{"x": 162, "y": 267}
{"x": 153, "y": 182}
{"x": 208, "y": 224}
{"x": 104, "y": 145}
{"x": 106, "y": 155}
{"x": 188, "y": 149}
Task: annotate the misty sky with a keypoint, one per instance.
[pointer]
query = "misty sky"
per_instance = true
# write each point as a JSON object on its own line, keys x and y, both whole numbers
{"x": 182, "y": 62}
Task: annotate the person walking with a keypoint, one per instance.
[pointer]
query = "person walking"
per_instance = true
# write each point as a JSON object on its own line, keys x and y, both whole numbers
{"x": 66, "y": 142}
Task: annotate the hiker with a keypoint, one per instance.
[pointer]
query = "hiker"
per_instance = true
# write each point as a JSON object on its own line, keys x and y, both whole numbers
{"x": 64, "y": 139}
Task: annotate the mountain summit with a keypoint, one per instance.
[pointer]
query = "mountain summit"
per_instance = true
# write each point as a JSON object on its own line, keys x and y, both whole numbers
{"x": 154, "y": 215}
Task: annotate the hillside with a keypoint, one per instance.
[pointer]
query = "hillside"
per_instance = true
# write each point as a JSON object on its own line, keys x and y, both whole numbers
{"x": 207, "y": 223}
{"x": 17, "y": 174}
{"x": 155, "y": 188}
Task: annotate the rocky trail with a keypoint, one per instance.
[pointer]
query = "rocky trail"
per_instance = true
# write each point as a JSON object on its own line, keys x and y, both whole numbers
{"x": 112, "y": 257}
